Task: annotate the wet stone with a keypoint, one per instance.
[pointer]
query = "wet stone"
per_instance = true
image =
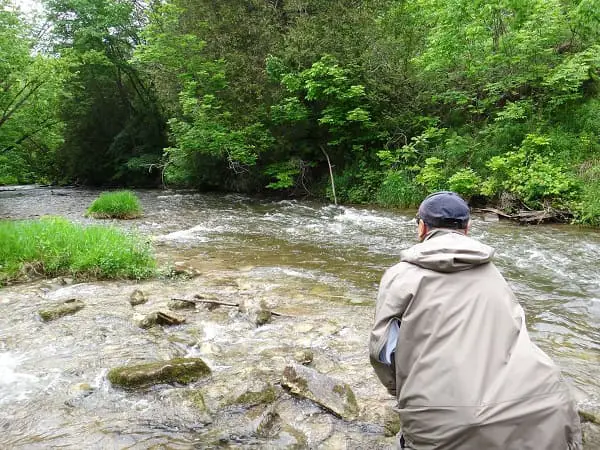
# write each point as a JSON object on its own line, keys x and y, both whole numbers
{"x": 178, "y": 370}
{"x": 304, "y": 357}
{"x": 137, "y": 297}
{"x": 263, "y": 393}
{"x": 160, "y": 318}
{"x": 70, "y": 306}
{"x": 391, "y": 422}
{"x": 176, "y": 304}
{"x": 262, "y": 317}
{"x": 591, "y": 436}
{"x": 333, "y": 395}
{"x": 590, "y": 415}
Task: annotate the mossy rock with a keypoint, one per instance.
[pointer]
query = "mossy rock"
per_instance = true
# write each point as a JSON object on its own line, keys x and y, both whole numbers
{"x": 176, "y": 304}
{"x": 304, "y": 357}
{"x": 391, "y": 422}
{"x": 331, "y": 394}
{"x": 70, "y": 306}
{"x": 178, "y": 370}
{"x": 160, "y": 318}
{"x": 137, "y": 297}
{"x": 589, "y": 416}
{"x": 252, "y": 398}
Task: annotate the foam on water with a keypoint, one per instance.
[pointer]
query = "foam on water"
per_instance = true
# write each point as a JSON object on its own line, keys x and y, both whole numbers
{"x": 14, "y": 385}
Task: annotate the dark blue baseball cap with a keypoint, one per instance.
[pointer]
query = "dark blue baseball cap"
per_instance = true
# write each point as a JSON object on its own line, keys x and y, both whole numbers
{"x": 444, "y": 209}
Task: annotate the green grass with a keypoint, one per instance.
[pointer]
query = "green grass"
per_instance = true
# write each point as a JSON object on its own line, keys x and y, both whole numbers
{"x": 115, "y": 205}
{"x": 53, "y": 246}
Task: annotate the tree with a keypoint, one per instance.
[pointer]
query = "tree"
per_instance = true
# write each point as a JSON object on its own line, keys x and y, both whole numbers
{"x": 114, "y": 130}
{"x": 29, "y": 83}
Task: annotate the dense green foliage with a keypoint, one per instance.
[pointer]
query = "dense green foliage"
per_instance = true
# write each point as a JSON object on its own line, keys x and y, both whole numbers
{"x": 55, "y": 246}
{"x": 496, "y": 100}
{"x": 115, "y": 205}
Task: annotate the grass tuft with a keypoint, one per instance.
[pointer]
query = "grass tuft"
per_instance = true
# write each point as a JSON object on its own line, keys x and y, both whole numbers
{"x": 115, "y": 205}
{"x": 53, "y": 246}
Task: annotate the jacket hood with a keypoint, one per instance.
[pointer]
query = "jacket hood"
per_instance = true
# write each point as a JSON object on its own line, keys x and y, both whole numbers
{"x": 448, "y": 251}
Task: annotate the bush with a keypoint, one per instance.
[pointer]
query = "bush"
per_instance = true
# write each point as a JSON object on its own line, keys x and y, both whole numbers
{"x": 54, "y": 246}
{"x": 588, "y": 211}
{"x": 115, "y": 205}
{"x": 399, "y": 190}
{"x": 533, "y": 178}
{"x": 465, "y": 182}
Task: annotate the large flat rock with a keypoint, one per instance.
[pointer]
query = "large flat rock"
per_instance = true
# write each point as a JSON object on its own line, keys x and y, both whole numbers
{"x": 178, "y": 370}
{"x": 331, "y": 394}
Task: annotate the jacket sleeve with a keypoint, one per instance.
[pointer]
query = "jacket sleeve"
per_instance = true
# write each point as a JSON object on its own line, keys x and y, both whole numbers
{"x": 392, "y": 299}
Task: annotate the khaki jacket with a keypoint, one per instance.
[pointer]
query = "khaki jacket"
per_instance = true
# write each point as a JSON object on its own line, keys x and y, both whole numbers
{"x": 465, "y": 372}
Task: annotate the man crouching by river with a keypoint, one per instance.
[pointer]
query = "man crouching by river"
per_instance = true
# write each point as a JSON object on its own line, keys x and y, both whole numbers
{"x": 450, "y": 342}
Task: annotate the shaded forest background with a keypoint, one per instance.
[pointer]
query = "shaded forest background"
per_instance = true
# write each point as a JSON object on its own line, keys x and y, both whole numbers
{"x": 498, "y": 100}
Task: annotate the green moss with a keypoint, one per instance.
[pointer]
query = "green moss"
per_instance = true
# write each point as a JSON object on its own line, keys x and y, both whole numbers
{"x": 197, "y": 398}
{"x": 115, "y": 205}
{"x": 296, "y": 383}
{"x": 266, "y": 396}
{"x": 351, "y": 406}
{"x": 589, "y": 416}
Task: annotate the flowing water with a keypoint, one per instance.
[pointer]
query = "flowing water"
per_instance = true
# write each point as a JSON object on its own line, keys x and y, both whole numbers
{"x": 318, "y": 265}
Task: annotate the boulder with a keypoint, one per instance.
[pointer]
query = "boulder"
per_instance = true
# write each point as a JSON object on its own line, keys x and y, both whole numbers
{"x": 178, "y": 370}
{"x": 160, "y": 318}
{"x": 70, "y": 306}
{"x": 137, "y": 297}
{"x": 180, "y": 303}
{"x": 304, "y": 357}
{"x": 263, "y": 393}
{"x": 331, "y": 394}
{"x": 590, "y": 427}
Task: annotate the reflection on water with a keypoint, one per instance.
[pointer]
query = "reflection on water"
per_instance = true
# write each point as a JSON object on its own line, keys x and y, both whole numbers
{"x": 318, "y": 263}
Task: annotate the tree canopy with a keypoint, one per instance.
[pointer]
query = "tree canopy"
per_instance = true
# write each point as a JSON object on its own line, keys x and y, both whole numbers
{"x": 497, "y": 100}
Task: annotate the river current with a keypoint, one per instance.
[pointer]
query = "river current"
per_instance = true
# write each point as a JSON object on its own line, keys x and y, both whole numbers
{"x": 317, "y": 264}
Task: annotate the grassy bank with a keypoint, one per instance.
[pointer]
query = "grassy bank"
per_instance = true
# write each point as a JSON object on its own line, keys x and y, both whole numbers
{"x": 115, "y": 205}
{"x": 54, "y": 246}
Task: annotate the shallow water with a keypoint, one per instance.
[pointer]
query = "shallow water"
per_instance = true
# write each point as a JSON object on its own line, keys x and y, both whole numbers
{"x": 317, "y": 264}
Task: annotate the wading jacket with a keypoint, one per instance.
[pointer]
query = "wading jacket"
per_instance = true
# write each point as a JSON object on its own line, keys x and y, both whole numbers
{"x": 465, "y": 372}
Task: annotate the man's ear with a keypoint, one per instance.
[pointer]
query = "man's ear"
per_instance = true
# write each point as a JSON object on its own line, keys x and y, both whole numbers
{"x": 422, "y": 231}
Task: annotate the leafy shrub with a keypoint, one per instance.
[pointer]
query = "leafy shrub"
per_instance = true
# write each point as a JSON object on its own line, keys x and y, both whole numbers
{"x": 398, "y": 189}
{"x": 531, "y": 176}
{"x": 357, "y": 184}
{"x": 54, "y": 246}
{"x": 431, "y": 176}
{"x": 465, "y": 182}
{"x": 115, "y": 205}
{"x": 588, "y": 210}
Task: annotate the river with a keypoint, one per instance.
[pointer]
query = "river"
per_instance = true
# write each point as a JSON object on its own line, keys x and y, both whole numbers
{"x": 317, "y": 264}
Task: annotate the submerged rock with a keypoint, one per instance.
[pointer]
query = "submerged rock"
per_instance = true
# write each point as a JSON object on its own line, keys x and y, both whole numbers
{"x": 256, "y": 311}
{"x": 391, "y": 421}
{"x": 589, "y": 415}
{"x": 178, "y": 370}
{"x": 263, "y": 394}
{"x": 590, "y": 428}
{"x": 70, "y": 306}
{"x": 331, "y": 394}
{"x": 160, "y": 318}
{"x": 304, "y": 357}
{"x": 137, "y": 297}
{"x": 180, "y": 303}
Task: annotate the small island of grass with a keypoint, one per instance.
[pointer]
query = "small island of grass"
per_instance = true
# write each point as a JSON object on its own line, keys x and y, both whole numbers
{"x": 53, "y": 246}
{"x": 115, "y": 205}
